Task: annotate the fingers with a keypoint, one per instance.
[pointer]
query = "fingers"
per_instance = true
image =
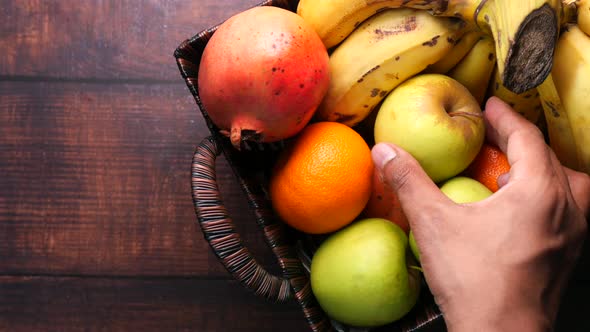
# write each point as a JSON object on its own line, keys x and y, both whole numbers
{"x": 415, "y": 190}
{"x": 502, "y": 121}
{"x": 580, "y": 187}
{"x": 521, "y": 140}
{"x": 528, "y": 155}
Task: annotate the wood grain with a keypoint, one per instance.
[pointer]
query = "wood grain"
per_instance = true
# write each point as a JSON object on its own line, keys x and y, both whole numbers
{"x": 96, "y": 304}
{"x": 97, "y": 129}
{"x": 105, "y": 304}
{"x": 107, "y": 40}
{"x": 96, "y": 181}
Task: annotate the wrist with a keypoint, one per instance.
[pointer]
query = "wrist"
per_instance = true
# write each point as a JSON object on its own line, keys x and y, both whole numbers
{"x": 523, "y": 320}
{"x": 501, "y": 309}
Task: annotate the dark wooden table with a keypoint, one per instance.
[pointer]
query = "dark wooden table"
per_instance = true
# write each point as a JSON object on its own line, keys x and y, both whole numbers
{"x": 97, "y": 131}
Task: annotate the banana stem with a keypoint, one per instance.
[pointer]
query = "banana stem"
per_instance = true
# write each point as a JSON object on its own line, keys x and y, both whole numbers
{"x": 525, "y": 34}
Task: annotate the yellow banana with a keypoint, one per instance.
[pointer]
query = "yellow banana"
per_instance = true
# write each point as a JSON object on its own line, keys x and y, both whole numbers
{"x": 571, "y": 75}
{"x": 561, "y": 138}
{"x": 384, "y": 51}
{"x": 526, "y": 104}
{"x": 458, "y": 52}
{"x": 476, "y": 68}
{"x": 524, "y": 31}
{"x": 334, "y": 20}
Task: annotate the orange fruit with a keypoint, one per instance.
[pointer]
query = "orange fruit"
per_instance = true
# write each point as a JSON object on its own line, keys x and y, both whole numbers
{"x": 322, "y": 181}
{"x": 488, "y": 165}
{"x": 385, "y": 204}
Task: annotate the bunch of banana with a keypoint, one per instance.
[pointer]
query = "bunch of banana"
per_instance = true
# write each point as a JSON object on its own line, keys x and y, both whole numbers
{"x": 570, "y": 75}
{"x": 458, "y": 52}
{"x": 559, "y": 129}
{"x": 524, "y": 31}
{"x": 475, "y": 69}
{"x": 383, "y": 52}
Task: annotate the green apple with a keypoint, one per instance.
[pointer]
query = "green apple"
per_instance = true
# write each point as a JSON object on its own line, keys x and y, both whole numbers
{"x": 437, "y": 120}
{"x": 360, "y": 275}
{"x": 459, "y": 189}
{"x": 414, "y": 246}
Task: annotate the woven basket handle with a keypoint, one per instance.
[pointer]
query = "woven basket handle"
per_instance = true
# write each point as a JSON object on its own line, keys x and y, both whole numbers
{"x": 219, "y": 231}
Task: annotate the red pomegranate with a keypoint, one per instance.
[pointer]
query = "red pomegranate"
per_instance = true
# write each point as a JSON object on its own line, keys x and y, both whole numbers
{"x": 262, "y": 75}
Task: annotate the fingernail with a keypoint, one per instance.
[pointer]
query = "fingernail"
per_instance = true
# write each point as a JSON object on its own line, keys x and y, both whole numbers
{"x": 382, "y": 154}
{"x": 503, "y": 180}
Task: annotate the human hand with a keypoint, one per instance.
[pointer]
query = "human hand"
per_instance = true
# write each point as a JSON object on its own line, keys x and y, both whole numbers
{"x": 500, "y": 264}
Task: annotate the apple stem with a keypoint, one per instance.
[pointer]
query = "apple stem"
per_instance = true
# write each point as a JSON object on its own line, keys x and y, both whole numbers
{"x": 454, "y": 113}
{"x": 416, "y": 268}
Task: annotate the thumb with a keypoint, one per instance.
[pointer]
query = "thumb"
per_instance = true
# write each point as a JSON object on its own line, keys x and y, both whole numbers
{"x": 418, "y": 194}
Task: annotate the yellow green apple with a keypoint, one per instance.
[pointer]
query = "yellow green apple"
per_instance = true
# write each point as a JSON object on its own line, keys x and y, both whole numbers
{"x": 459, "y": 189}
{"x": 414, "y": 246}
{"x": 462, "y": 189}
{"x": 360, "y": 275}
{"x": 437, "y": 120}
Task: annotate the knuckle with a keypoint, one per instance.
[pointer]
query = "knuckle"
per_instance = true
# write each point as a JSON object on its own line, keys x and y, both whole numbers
{"x": 584, "y": 182}
{"x": 536, "y": 133}
{"x": 557, "y": 194}
{"x": 530, "y": 134}
{"x": 555, "y": 199}
{"x": 580, "y": 188}
{"x": 402, "y": 175}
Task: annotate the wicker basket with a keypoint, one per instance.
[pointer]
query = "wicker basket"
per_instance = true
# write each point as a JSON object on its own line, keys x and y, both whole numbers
{"x": 292, "y": 249}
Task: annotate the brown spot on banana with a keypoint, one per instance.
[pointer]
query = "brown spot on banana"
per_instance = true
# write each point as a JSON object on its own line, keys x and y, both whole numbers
{"x": 392, "y": 76}
{"x": 367, "y": 73}
{"x": 552, "y": 108}
{"x": 408, "y": 24}
{"x": 432, "y": 42}
{"x": 344, "y": 118}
